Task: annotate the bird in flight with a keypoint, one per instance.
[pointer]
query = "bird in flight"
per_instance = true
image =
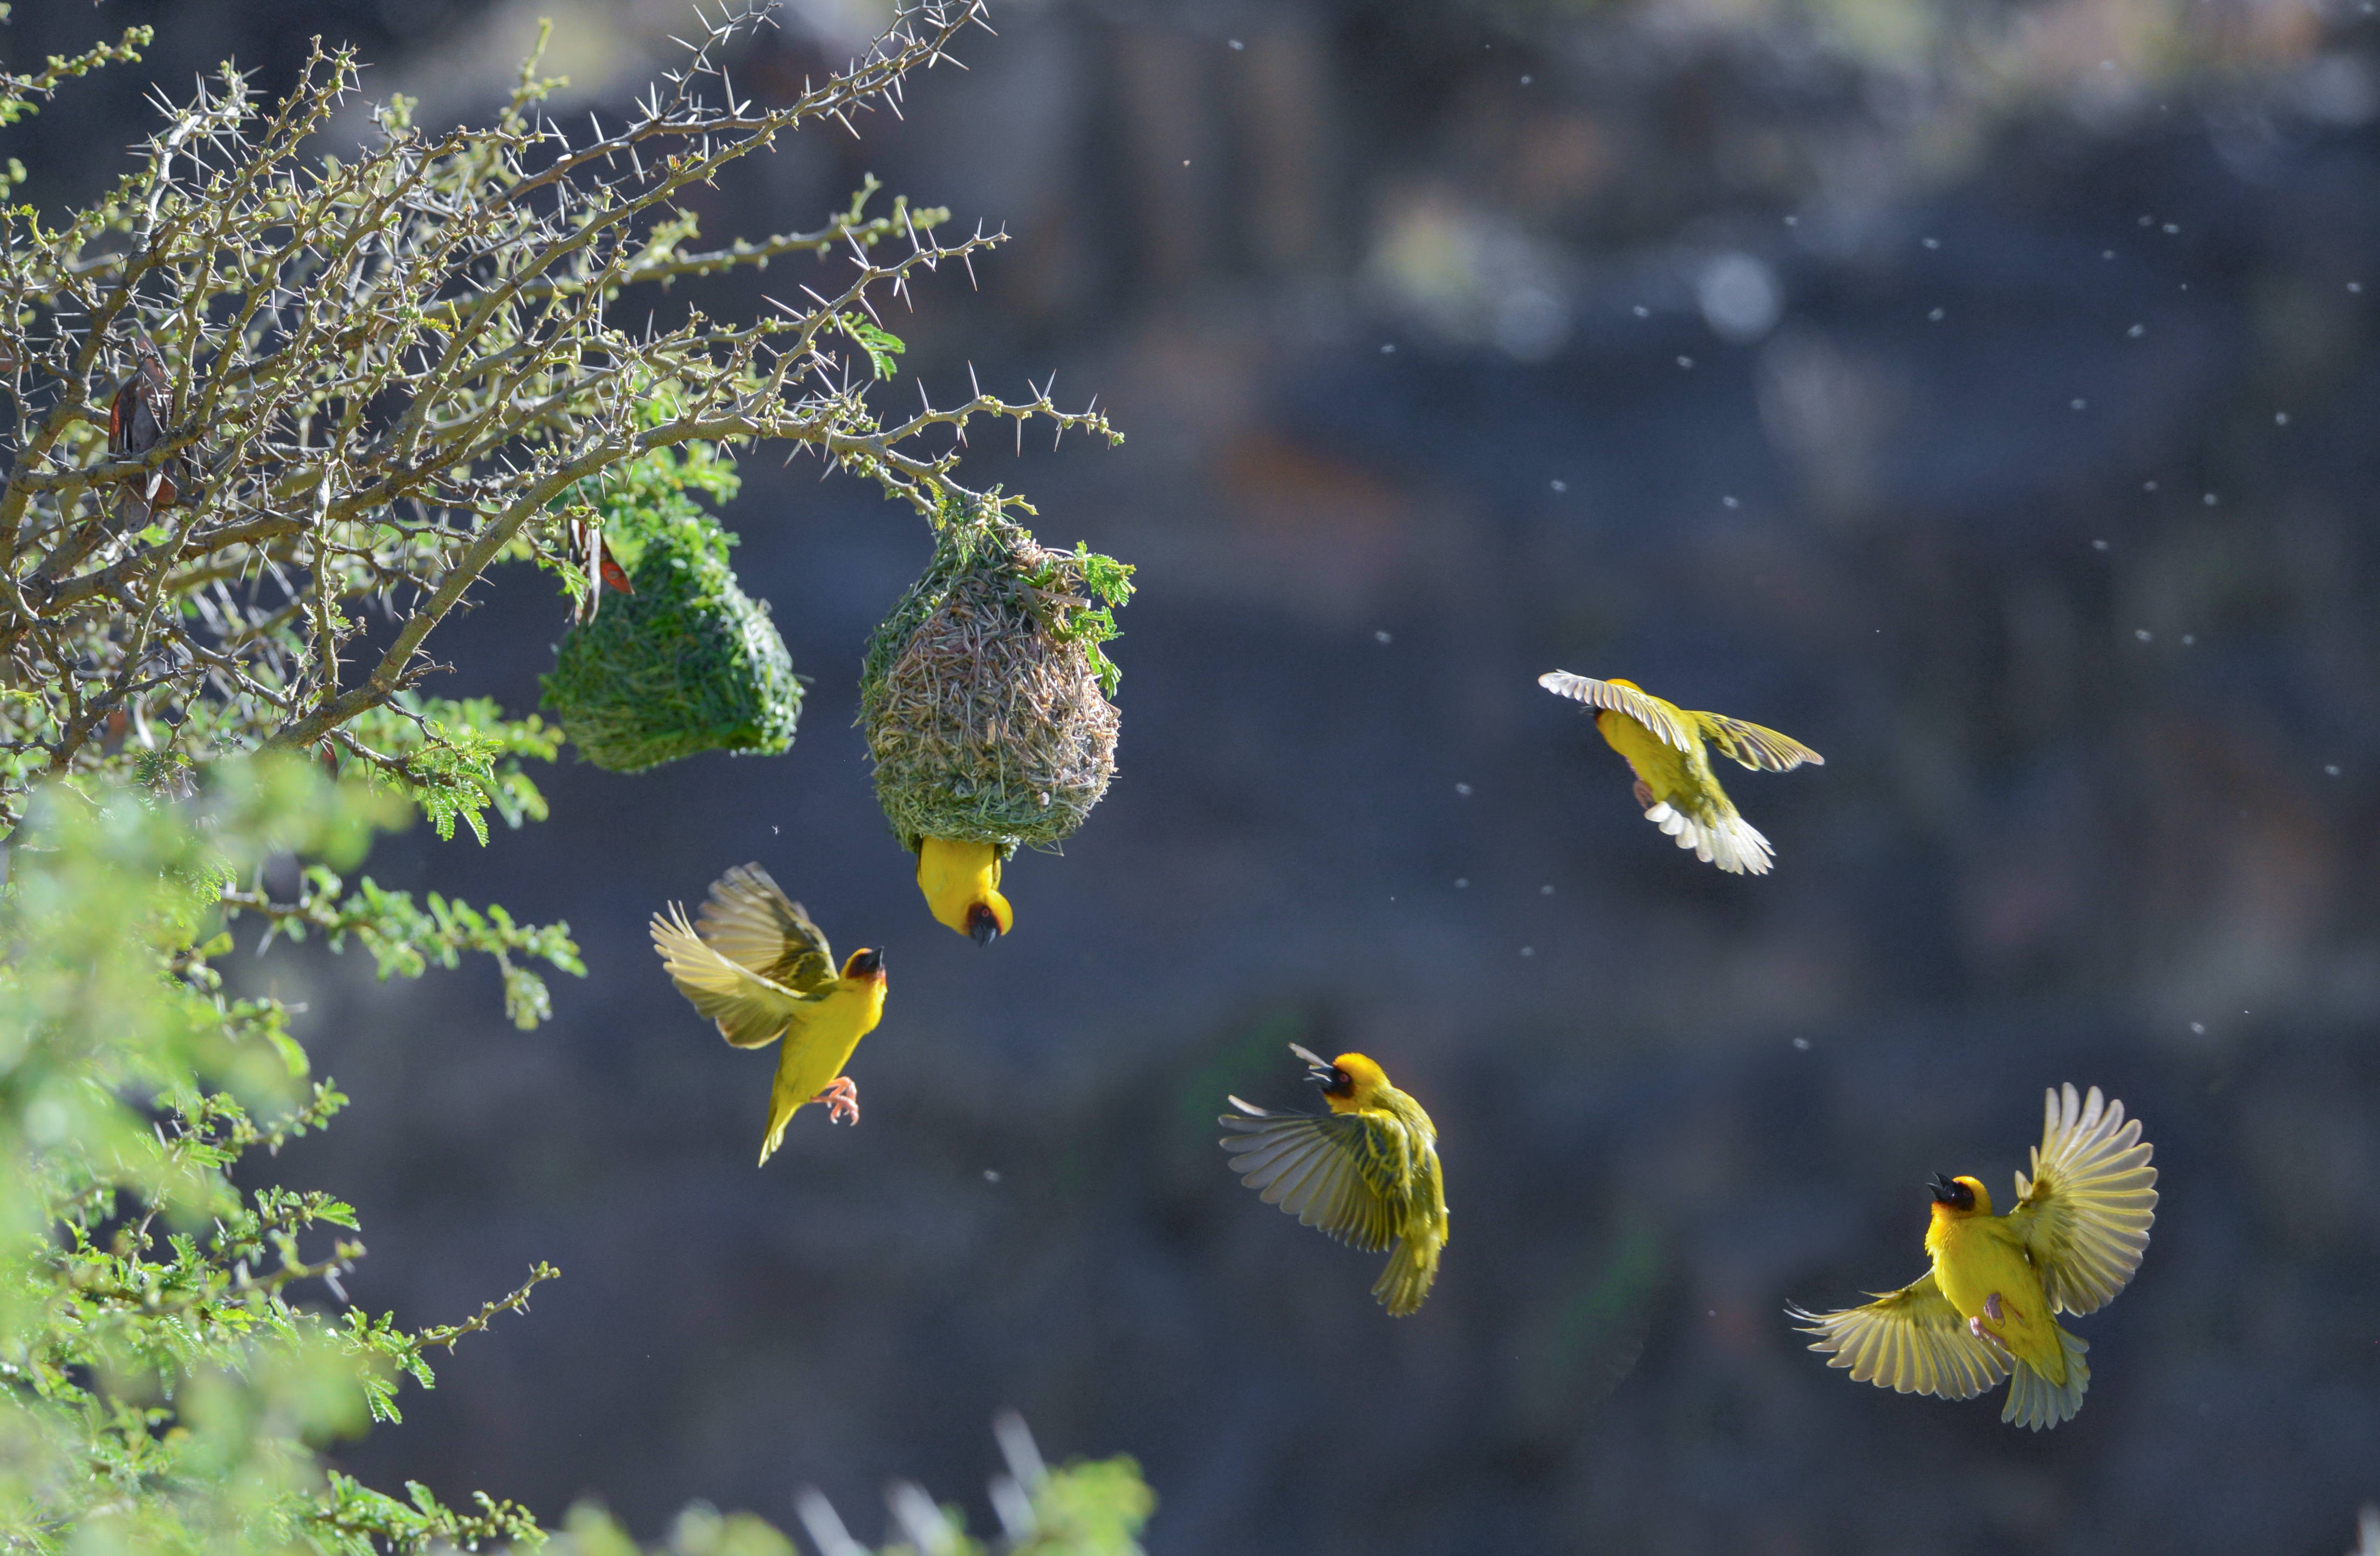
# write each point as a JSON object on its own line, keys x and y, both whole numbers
{"x": 758, "y": 966}
{"x": 1985, "y": 1310}
{"x": 1366, "y": 1173}
{"x": 1664, "y": 744}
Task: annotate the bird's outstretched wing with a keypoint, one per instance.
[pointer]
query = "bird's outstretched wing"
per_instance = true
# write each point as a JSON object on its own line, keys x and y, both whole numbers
{"x": 1910, "y": 1341}
{"x": 752, "y": 1010}
{"x": 1652, "y": 713}
{"x": 752, "y": 923}
{"x": 1756, "y": 747}
{"x": 2085, "y": 1213}
{"x": 1335, "y": 1172}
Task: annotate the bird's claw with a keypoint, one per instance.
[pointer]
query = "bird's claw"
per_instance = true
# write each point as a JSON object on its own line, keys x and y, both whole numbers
{"x": 1992, "y": 1308}
{"x": 841, "y": 1101}
{"x": 1644, "y": 795}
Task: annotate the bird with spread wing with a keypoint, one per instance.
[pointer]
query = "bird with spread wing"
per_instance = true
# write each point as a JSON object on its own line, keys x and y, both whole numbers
{"x": 1985, "y": 1311}
{"x": 757, "y": 966}
{"x": 1675, "y": 785}
{"x": 1364, "y": 1173}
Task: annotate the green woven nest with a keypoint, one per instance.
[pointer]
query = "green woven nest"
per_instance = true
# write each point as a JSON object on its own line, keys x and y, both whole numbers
{"x": 985, "y": 726}
{"x": 688, "y": 663}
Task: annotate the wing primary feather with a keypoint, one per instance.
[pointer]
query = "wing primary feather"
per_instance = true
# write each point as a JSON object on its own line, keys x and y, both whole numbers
{"x": 749, "y": 920}
{"x": 1910, "y": 1342}
{"x": 2086, "y": 1210}
{"x": 1283, "y": 1190}
{"x": 1268, "y": 1160}
{"x": 750, "y": 1010}
{"x": 1314, "y": 1167}
{"x": 1654, "y": 715}
{"x": 1755, "y": 745}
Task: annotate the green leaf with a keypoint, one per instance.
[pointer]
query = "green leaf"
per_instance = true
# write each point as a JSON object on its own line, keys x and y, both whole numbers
{"x": 881, "y": 344}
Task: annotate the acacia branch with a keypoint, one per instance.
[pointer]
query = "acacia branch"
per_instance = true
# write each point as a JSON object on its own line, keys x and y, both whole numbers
{"x": 394, "y": 370}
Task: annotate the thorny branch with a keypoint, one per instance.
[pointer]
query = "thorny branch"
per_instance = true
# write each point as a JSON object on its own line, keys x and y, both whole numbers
{"x": 517, "y": 1302}
{"x": 390, "y": 372}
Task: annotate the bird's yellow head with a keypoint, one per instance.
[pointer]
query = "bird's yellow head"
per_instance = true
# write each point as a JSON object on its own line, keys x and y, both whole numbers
{"x": 1348, "y": 1082}
{"x": 863, "y": 966}
{"x": 1956, "y": 1198}
{"x": 962, "y": 885}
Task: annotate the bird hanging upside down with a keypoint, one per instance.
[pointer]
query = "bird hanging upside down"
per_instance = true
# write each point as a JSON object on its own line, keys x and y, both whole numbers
{"x": 1663, "y": 744}
{"x": 1366, "y": 1173}
{"x": 962, "y": 885}
{"x": 761, "y": 969}
{"x": 1985, "y": 1310}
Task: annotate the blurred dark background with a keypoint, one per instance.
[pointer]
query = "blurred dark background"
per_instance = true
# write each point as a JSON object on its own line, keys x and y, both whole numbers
{"x": 1983, "y": 394}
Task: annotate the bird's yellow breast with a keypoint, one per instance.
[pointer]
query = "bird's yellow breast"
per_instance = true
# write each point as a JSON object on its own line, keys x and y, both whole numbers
{"x": 1667, "y": 770}
{"x": 867, "y": 996}
{"x": 1977, "y": 1257}
{"x": 846, "y": 1013}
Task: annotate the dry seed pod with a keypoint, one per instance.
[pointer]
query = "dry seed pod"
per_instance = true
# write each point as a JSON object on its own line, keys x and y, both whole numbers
{"x": 981, "y": 692}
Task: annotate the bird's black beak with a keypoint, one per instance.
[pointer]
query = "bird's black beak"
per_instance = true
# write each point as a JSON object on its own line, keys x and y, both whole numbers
{"x": 983, "y": 924}
{"x": 1318, "y": 1070}
{"x": 1957, "y": 1196}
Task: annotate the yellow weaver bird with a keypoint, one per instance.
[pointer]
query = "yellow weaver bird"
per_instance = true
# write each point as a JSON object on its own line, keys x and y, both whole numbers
{"x": 1674, "y": 784}
{"x": 1366, "y": 1173}
{"x": 763, "y": 971}
{"x": 2078, "y": 1231}
{"x": 962, "y": 885}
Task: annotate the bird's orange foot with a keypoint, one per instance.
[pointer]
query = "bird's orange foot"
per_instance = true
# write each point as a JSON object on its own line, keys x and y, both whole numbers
{"x": 842, "y": 1100}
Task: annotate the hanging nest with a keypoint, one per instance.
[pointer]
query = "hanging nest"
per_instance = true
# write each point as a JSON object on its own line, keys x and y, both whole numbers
{"x": 984, "y": 692}
{"x": 688, "y": 663}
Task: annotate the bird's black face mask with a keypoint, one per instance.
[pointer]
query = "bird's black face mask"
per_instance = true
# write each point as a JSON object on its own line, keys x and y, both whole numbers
{"x": 983, "y": 924}
{"x": 1957, "y": 1196}
{"x": 866, "y": 963}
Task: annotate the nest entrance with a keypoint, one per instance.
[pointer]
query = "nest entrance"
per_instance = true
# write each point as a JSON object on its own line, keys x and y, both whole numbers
{"x": 984, "y": 712}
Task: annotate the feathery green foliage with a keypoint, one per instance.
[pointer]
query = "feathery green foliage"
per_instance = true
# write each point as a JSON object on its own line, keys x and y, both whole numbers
{"x": 166, "y": 1368}
{"x": 1082, "y": 1508}
{"x": 689, "y": 661}
{"x": 1086, "y": 620}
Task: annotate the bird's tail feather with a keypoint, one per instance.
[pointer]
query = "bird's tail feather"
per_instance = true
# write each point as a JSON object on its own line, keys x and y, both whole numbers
{"x": 1406, "y": 1282}
{"x": 1722, "y": 838}
{"x": 2033, "y": 1402}
{"x": 782, "y": 1108}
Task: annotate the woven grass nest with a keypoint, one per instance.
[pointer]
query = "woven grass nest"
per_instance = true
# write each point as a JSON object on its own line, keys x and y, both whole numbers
{"x": 982, "y": 692}
{"x": 688, "y": 663}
